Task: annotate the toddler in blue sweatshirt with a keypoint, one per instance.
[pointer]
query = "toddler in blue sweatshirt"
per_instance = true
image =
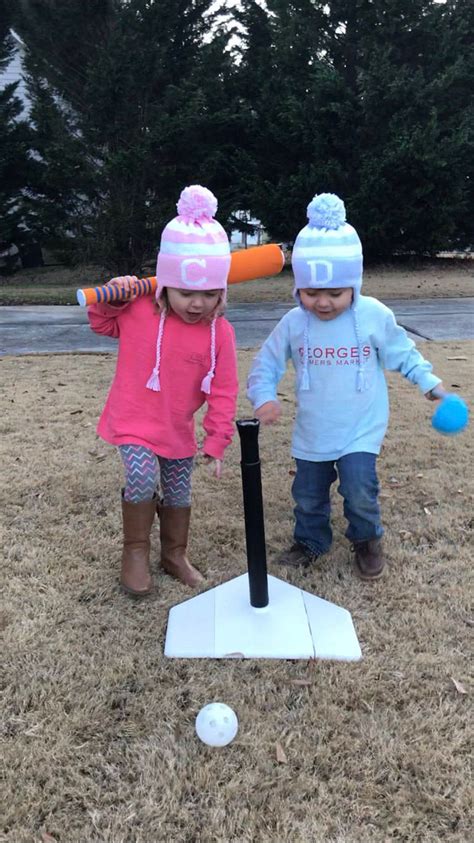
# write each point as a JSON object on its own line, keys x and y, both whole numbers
{"x": 340, "y": 343}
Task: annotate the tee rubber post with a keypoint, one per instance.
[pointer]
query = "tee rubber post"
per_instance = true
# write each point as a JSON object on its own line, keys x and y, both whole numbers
{"x": 253, "y": 512}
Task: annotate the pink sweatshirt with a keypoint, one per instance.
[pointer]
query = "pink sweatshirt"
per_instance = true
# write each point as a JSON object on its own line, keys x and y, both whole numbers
{"x": 163, "y": 421}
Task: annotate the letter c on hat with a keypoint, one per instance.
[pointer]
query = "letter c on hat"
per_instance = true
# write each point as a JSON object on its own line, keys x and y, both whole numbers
{"x": 184, "y": 266}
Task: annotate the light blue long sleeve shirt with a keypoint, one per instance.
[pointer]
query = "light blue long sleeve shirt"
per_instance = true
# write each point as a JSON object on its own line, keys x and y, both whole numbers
{"x": 332, "y": 417}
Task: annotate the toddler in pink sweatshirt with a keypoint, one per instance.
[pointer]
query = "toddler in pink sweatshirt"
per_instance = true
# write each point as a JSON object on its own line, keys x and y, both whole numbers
{"x": 175, "y": 354}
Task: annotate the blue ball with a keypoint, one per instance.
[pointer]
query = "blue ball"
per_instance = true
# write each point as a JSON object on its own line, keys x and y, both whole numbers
{"x": 451, "y": 416}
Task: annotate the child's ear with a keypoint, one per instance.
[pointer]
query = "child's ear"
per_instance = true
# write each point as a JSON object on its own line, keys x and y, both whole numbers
{"x": 162, "y": 302}
{"x": 219, "y": 308}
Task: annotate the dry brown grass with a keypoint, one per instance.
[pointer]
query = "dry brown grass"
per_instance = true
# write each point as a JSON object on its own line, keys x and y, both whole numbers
{"x": 98, "y": 727}
{"x": 434, "y": 280}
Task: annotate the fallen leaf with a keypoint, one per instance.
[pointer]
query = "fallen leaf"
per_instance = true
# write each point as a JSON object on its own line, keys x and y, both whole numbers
{"x": 426, "y": 510}
{"x": 292, "y": 472}
{"x": 420, "y": 475}
{"x": 280, "y": 754}
{"x": 75, "y": 412}
{"x": 458, "y": 685}
{"x": 302, "y": 682}
{"x": 456, "y": 358}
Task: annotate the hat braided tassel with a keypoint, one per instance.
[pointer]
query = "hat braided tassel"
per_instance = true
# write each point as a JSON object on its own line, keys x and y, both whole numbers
{"x": 154, "y": 381}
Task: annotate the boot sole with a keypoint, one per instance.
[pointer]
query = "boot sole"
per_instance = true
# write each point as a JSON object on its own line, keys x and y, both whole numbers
{"x": 366, "y": 577}
{"x": 293, "y": 566}
{"x": 178, "y": 578}
{"x": 131, "y": 593}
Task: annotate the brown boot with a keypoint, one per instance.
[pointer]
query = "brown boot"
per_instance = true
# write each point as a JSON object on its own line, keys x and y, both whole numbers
{"x": 297, "y": 556}
{"x": 135, "y": 577}
{"x": 368, "y": 559}
{"x": 174, "y": 529}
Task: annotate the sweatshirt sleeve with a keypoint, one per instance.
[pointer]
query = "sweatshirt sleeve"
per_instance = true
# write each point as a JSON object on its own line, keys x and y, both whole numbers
{"x": 219, "y": 419}
{"x": 399, "y": 353}
{"x": 104, "y": 318}
{"x": 269, "y": 365}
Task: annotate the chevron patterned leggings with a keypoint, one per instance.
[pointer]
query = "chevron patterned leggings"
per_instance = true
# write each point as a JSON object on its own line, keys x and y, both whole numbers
{"x": 145, "y": 472}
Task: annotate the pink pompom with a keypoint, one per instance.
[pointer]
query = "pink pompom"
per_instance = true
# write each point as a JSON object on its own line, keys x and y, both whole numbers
{"x": 197, "y": 202}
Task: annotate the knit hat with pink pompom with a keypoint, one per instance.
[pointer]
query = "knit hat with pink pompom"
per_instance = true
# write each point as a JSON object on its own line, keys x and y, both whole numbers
{"x": 194, "y": 252}
{"x": 194, "y": 255}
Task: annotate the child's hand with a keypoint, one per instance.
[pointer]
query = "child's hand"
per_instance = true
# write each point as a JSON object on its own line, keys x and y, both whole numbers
{"x": 214, "y": 465}
{"x": 126, "y": 284}
{"x": 269, "y": 412}
{"x": 437, "y": 393}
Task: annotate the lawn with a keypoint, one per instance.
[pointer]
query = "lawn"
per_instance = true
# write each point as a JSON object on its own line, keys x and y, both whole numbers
{"x": 98, "y": 727}
{"x": 431, "y": 279}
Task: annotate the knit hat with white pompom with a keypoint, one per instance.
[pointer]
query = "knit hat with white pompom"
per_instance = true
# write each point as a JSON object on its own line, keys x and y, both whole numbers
{"x": 194, "y": 255}
{"x": 328, "y": 254}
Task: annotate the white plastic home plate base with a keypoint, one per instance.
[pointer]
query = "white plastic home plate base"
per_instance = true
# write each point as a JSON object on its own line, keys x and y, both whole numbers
{"x": 221, "y": 623}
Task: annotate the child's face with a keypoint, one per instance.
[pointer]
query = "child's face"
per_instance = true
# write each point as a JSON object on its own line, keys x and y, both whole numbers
{"x": 193, "y": 305}
{"x": 326, "y": 304}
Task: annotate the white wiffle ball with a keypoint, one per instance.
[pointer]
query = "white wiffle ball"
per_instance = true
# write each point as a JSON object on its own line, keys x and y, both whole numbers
{"x": 216, "y": 724}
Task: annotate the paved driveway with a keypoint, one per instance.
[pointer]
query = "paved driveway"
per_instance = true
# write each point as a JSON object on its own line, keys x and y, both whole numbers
{"x": 29, "y": 330}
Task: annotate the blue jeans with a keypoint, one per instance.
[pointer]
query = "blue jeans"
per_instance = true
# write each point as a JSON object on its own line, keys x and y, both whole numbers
{"x": 358, "y": 485}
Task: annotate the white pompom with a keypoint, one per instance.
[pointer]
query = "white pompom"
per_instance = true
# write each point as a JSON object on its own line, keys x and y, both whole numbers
{"x": 326, "y": 211}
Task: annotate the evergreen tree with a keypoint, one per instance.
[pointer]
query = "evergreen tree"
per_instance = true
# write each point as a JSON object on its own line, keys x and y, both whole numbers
{"x": 370, "y": 99}
{"x": 14, "y": 147}
{"x": 402, "y": 61}
{"x": 129, "y": 104}
{"x": 298, "y": 110}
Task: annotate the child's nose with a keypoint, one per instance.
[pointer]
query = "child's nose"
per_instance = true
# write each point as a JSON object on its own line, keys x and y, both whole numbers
{"x": 323, "y": 300}
{"x": 196, "y": 303}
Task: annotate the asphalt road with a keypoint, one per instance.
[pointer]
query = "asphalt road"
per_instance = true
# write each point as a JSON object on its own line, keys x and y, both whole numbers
{"x": 45, "y": 329}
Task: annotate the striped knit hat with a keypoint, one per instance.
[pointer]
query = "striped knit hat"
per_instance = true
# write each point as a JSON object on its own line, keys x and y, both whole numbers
{"x": 328, "y": 254}
{"x": 194, "y": 255}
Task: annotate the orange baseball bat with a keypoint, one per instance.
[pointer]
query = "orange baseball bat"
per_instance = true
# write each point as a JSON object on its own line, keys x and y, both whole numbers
{"x": 245, "y": 265}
